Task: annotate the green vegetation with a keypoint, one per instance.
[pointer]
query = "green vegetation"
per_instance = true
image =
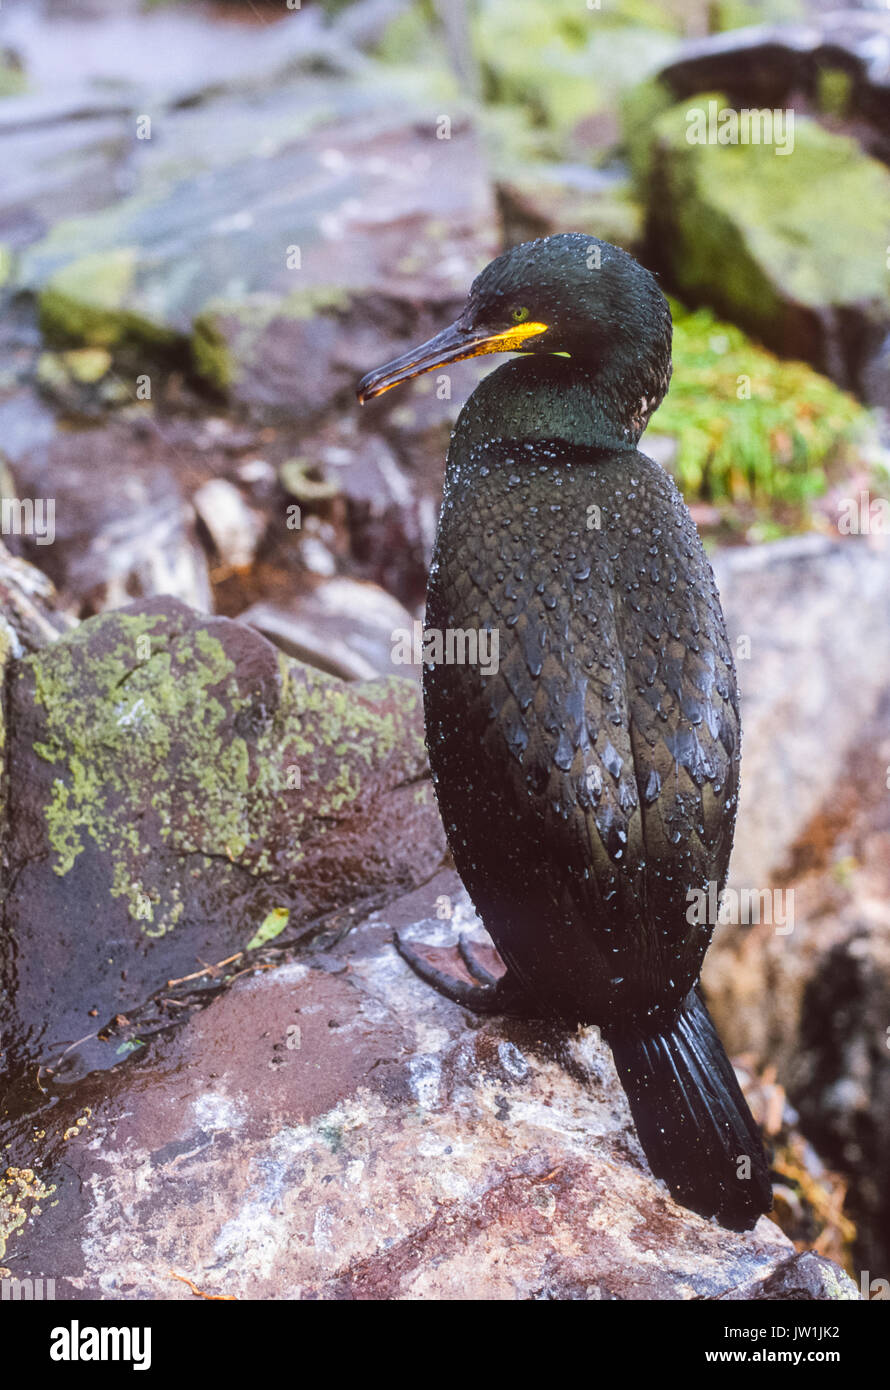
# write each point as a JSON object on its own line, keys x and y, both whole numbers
{"x": 556, "y": 63}
{"x": 738, "y": 14}
{"x": 86, "y": 303}
{"x": 272, "y": 925}
{"x": 12, "y": 80}
{"x": 748, "y": 425}
{"x": 7, "y": 262}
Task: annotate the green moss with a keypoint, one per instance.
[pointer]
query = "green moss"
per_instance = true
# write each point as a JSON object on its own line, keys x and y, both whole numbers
{"x": 139, "y": 726}
{"x": 12, "y": 80}
{"x": 306, "y": 303}
{"x": 7, "y": 261}
{"x": 210, "y": 353}
{"x": 87, "y": 365}
{"x": 639, "y": 108}
{"x": 300, "y": 477}
{"x": 834, "y": 91}
{"x": 738, "y": 227}
{"x": 84, "y": 302}
{"x": 771, "y": 445}
{"x": 51, "y": 371}
{"x": 21, "y": 1195}
{"x": 144, "y": 717}
{"x": 738, "y": 14}
{"x": 556, "y": 62}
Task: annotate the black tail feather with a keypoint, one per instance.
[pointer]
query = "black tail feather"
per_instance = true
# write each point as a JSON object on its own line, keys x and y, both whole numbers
{"x": 692, "y": 1119}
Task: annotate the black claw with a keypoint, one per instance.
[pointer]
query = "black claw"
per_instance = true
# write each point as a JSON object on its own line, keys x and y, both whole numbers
{"x": 475, "y": 967}
{"x": 481, "y": 999}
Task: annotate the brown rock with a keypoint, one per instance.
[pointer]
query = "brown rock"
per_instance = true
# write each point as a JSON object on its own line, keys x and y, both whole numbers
{"x": 332, "y": 1129}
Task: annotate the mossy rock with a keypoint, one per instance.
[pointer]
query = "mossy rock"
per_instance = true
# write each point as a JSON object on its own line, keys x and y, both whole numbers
{"x": 786, "y": 245}
{"x": 13, "y": 80}
{"x": 556, "y": 63}
{"x": 228, "y": 337}
{"x": 813, "y": 222}
{"x": 725, "y": 15}
{"x": 243, "y": 224}
{"x": 7, "y": 263}
{"x": 639, "y": 108}
{"x": 177, "y": 780}
{"x": 87, "y": 303}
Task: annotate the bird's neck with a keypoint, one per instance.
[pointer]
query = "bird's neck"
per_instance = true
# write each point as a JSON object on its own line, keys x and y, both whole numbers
{"x": 537, "y": 397}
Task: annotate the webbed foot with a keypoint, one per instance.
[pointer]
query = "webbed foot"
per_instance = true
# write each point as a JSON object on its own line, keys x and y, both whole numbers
{"x": 474, "y": 965}
{"x": 491, "y": 995}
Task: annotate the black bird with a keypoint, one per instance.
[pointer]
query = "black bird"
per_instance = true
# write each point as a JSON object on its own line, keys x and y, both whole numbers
{"x": 591, "y": 784}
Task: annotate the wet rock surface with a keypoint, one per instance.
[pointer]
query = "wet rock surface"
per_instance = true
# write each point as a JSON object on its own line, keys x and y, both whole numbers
{"x": 807, "y": 618}
{"x": 802, "y": 1279}
{"x": 809, "y": 999}
{"x": 180, "y": 793}
{"x": 797, "y": 284}
{"x": 240, "y": 237}
{"x": 30, "y": 614}
{"x": 364, "y": 1139}
{"x": 802, "y": 986}
{"x": 133, "y": 538}
{"x": 838, "y": 61}
{"x": 343, "y": 627}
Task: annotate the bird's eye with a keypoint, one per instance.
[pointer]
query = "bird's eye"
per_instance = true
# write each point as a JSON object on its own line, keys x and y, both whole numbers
{"x": 519, "y": 315}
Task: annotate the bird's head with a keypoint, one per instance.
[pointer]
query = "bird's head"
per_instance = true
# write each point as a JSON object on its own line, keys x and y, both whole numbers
{"x": 568, "y": 294}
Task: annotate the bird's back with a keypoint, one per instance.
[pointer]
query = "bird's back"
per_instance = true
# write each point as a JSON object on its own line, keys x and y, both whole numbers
{"x": 591, "y": 781}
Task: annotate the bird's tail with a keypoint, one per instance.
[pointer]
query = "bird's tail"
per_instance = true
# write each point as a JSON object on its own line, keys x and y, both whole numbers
{"x": 692, "y": 1119}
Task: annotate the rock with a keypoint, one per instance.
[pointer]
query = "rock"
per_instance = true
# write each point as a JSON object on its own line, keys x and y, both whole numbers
{"x": 316, "y": 548}
{"x": 806, "y": 619}
{"x": 343, "y": 627}
{"x": 122, "y": 528}
{"x": 386, "y": 486}
{"x": 283, "y": 316}
{"x": 58, "y": 158}
{"x": 802, "y": 1278}
{"x": 840, "y": 1074}
{"x": 302, "y": 339}
{"x": 366, "y": 24}
{"x": 839, "y": 62}
{"x": 363, "y": 1139}
{"x": 804, "y": 985}
{"x": 147, "y": 57}
{"x": 29, "y": 619}
{"x": 813, "y": 1002}
{"x": 29, "y": 612}
{"x": 812, "y": 288}
{"x": 174, "y": 781}
{"x": 541, "y": 199}
{"x": 235, "y": 528}
{"x": 217, "y": 206}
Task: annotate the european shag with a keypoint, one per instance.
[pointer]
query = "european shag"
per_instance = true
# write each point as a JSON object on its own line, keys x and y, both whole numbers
{"x": 590, "y": 784}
